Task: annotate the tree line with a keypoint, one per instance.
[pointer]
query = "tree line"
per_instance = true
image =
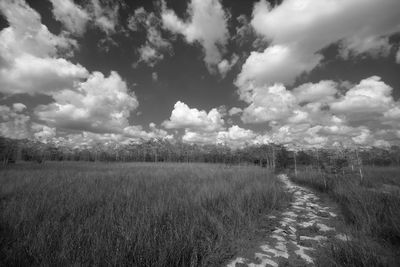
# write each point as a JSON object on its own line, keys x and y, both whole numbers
{"x": 155, "y": 150}
{"x": 267, "y": 155}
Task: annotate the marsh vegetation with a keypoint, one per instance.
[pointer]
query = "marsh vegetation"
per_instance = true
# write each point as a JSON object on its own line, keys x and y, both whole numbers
{"x": 136, "y": 214}
{"x": 370, "y": 209}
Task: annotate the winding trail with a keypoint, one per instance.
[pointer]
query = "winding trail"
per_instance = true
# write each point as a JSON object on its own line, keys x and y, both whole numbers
{"x": 304, "y": 226}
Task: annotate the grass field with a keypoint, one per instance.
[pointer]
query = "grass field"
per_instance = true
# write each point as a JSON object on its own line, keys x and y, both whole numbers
{"x": 136, "y": 214}
{"x": 371, "y": 210}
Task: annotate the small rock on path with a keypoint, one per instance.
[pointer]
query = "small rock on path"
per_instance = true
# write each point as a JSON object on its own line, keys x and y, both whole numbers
{"x": 304, "y": 226}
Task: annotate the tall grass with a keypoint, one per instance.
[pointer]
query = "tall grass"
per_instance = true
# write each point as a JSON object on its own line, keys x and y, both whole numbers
{"x": 131, "y": 213}
{"x": 371, "y": 214}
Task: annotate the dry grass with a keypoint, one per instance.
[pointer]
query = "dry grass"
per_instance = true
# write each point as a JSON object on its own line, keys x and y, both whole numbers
{"x": 371, "y": 214}
{"x": 132, "y": 214}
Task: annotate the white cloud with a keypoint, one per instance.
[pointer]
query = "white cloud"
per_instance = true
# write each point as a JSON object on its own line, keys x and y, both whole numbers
{"x": 317, "y": 114}
{"x": 370, "y": 96}
{"x": 18, "y": 107}
{"x": 31, "y": 75}
{"x": 268, "y": 103}
{"x": 28, "y": 51}
{"x": 13, "y": 123}
{"x": 43, "y": 133}
{"x": 298, "y": 135}
{"x": 207, "y": 24}
{"x": 233, "y": 137}
{"x": 225, "y": 65}
{"x": 137, "y": 133}
{"x": 234, "y": 111}
{"x": 201, "y": 127}
{"x": 105, "y": 16}
{"x": 131, "y": 133}
{"x": 73, "y": 17}
{"x": 362, "y": 26}
{"x": 153, "y": 50}
{"x": 278, "y": 63}
{"x": 26, "y": 34}
{"x": 314, "y": 25}
{"x": 194, "y": 137}
{"x": 100, "y": 104}
{"x": 322, "y": 92}
{"x": 82, "y": 100}
{"x": 236, "y": 136}
{"x": 89, "y": 140}
{"x": 150, "y": 55}
{"x": 183, "y": 117}
{"x": 393, "y": 114}
{"x": 244, "y": 32}
{"x": 138, "y": 19}
{"x": 374, "y": 46}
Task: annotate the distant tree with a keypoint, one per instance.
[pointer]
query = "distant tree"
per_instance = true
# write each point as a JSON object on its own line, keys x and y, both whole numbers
{"x": 8, "y": 150}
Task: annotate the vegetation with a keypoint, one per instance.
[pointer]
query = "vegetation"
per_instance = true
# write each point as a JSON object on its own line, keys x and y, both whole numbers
{"x": 145, "y": 151}
{"x": 371, "y": 211}
{"x": 136, "y": 214}
{"x": 88, "y": 205}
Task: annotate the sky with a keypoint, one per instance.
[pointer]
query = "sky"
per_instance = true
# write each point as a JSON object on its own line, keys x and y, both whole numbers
{"x": 302, "y": 73}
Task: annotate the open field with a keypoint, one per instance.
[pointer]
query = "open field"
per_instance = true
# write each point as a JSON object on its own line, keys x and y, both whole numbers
{"x": 371, "y": 213}
{"x": 136, "y": 214}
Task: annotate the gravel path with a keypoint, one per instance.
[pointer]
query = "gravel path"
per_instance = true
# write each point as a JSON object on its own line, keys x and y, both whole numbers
{"x": 305, "y": 225}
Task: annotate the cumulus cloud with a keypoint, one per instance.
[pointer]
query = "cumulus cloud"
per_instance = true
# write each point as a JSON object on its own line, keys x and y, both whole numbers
{"x": 156, "y": 46}
{"x": 133, "y": 133}
{"x": 358, "y": 23}
{"x": 136, "y": 132}
{"x": 322, "y": 92}
{"x": 207, "y": 25}
{"x": 326, "y": 112}
{"x": 73, "y": 17}
{"x": 269, "y": 104}
{"x": 234, "y": 111}
{"x": 102, "y": 15}
{"x": 234, "y": 137}
{"x": 277, "y": 63}
{"x": 184, "y": 117}
{"x": 319, "y": 114}
{"x": 225, "y": 65}
{"x": 105, "y": 16}
{"x": 149, "y": 55}
{"x": 32, "y": 75}
{"x": 361, "y": 26}
{"x": 43, "y": 133}
{"x": 393, "y": 114}
{"x": 194, "y": 137}
{"x": 99, "y": 104}
{"x": 138, "y": 19}
{"x": 18, "y": 107}
{"x": 201, "y": 127}
{"x": 13, "y": 123}
{"x": 244, "y": 31}
{"x": 28, "y": 51}
{"x": 370, "y": 96}
{"x": 89, "y": 140}
{"x": 16, "y": 123}
{"x": 26, "y": 33}
{"x": 30, "y": 64}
